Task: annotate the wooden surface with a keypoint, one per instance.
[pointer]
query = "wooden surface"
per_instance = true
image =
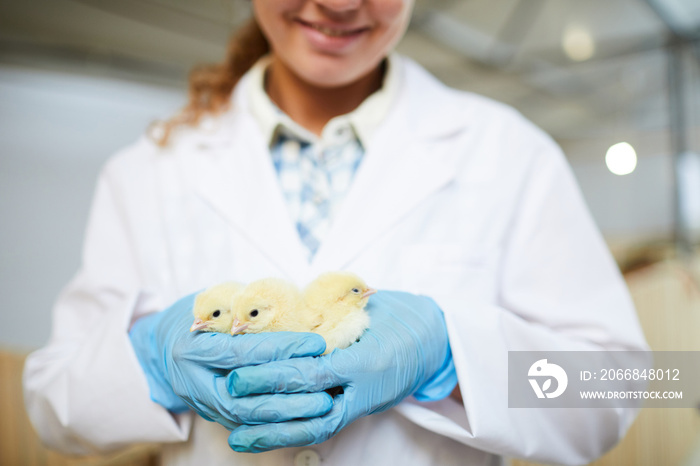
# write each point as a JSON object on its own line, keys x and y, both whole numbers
{"x": 668, "y": 304}
{"x": 19, "y": 444}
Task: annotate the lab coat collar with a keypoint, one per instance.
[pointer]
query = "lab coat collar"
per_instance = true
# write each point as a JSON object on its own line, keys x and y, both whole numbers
{"x": 231, "y": 170}
{"x": 437, "y": 110}
{"x": 406, "y": 161}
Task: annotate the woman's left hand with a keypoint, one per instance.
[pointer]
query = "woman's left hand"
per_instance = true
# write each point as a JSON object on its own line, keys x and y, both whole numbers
{"x": 405, "y": 351}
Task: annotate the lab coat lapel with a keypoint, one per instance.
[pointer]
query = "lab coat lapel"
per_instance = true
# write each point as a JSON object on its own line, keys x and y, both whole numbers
{"x": 394, "y": 178}
{"x": 238, "y": 181}
{"x": 410, "y": 159}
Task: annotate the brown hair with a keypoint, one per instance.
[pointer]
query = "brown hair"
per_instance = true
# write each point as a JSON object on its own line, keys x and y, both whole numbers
{"x": 210, "y": 86}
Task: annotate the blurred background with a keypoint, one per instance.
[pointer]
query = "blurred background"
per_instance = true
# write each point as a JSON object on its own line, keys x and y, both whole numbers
{"x": 615, "y": 82}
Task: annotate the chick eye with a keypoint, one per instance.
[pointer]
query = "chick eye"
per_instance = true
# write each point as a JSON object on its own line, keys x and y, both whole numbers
{"x": 253, "y": 313}
{"x": 216, "y": 313}
{"x": 355, "y": 290}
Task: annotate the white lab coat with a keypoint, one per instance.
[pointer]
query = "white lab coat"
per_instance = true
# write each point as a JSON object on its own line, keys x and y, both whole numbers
{"x": 458, "y": 198}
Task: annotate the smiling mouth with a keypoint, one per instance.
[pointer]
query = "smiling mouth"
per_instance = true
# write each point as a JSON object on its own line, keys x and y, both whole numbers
{"x": 331, "y": 31}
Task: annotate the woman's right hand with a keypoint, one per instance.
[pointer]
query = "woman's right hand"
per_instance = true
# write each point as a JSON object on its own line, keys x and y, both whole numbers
{"x": 188, "y": 369}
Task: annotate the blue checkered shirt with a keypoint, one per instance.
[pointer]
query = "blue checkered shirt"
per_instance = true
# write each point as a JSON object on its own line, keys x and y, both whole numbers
{"x": 314, "y": 177}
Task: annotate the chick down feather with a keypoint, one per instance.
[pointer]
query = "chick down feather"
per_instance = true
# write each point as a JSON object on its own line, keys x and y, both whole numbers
{"x": 270, "y": 305}
{"x": 337, "y": 301}
{"x": 332, "y": 306}
{"x": 212, "y": 307}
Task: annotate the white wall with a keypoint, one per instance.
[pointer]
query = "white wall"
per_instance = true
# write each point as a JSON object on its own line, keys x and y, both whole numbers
{"x": 56, "y": 130}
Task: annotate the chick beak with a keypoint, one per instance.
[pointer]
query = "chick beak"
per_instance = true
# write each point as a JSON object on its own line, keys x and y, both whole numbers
{"x": 368, "y": 292}
{"x": 199, "y": 324}
{"x": 237, "y": 327}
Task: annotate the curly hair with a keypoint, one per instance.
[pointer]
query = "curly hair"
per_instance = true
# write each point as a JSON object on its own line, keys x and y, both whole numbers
{"x": 210, "y": 86}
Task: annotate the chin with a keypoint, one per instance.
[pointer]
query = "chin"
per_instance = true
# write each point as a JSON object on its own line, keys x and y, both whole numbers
{"x": 331, "y": 71}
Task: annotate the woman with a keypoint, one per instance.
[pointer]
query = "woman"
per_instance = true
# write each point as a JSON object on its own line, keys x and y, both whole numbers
{"x": 332, "y": 156}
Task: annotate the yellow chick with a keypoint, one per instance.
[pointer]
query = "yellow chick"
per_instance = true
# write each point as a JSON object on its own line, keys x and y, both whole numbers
{"x": 338, "y": 300}
{"x": 270, "y": 305}
{"x": 212, "y": 308}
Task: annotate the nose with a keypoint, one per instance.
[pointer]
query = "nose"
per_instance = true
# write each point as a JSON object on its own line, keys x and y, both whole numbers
{"x": 339, "y": 5}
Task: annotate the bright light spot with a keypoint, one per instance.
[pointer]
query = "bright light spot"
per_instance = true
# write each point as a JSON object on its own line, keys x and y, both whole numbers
{"x": 621, "y": 159}
{"x": 578, "y": 43}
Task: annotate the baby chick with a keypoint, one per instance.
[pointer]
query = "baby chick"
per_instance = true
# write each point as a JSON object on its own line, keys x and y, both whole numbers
{"x": 270, "y": 305}
{"x": 337, "y": 301}
{"x": 212, "y": 308}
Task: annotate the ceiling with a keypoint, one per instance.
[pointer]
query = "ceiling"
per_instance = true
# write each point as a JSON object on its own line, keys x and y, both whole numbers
{"x": 510, "y": 50}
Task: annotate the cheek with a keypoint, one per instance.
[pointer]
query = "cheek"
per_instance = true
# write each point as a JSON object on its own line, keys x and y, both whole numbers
{"x": 272, "y": 16}
{"x": 390, "y": 11}
{"x": 393, "y": 17}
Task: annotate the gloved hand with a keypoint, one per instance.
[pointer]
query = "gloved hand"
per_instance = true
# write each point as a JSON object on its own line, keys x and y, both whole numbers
{"x": 405, "y": 351}
{"x": 188, "y": 369}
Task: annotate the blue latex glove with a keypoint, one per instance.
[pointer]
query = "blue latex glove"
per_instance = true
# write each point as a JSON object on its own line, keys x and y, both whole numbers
{"x": 405, "y": 351}
{"x": 188, "y": 369}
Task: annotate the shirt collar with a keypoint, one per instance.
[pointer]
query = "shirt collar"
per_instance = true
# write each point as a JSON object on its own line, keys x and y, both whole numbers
{"x": 364, "y": 120}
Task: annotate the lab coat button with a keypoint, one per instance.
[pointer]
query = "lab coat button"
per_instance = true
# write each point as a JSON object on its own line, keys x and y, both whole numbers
{"x": 307, "y": 458}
